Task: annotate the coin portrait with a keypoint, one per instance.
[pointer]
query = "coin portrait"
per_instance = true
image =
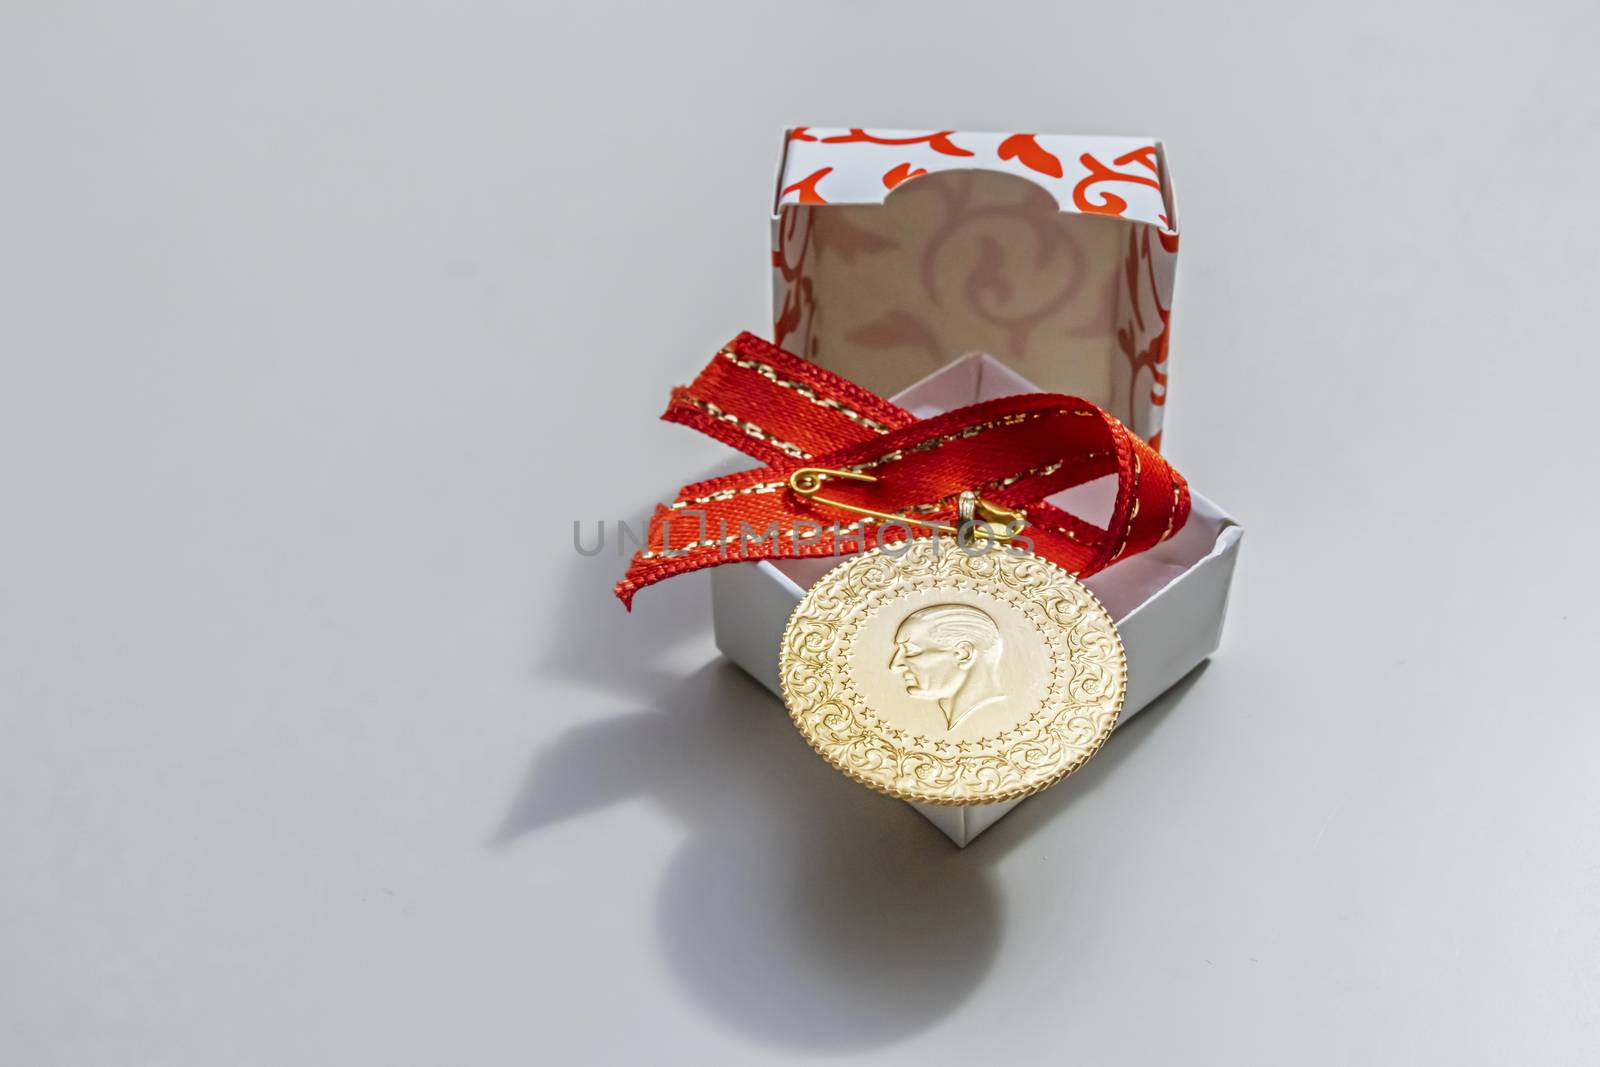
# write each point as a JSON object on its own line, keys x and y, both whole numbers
{"x": 950, "y": 653}
{"x": 946, "y": 677}
{"x": 951, "y": 664}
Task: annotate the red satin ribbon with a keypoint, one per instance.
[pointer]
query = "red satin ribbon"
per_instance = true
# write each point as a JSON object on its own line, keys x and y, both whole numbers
{"x": 789, "y": 414}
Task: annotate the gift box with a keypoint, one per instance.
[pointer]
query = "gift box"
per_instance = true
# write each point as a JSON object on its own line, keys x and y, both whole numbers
{"x": 946, "y": 268}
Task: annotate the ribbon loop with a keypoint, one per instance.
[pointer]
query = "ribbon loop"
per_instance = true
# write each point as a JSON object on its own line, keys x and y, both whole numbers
{"x": 795, "y": 417}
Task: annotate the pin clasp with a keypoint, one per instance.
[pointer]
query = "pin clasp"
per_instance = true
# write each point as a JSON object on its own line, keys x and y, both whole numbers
{"x": 979, "y": 518}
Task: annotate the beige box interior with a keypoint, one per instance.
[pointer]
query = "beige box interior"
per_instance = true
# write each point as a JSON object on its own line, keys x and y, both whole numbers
{"x": 975, "y": 260}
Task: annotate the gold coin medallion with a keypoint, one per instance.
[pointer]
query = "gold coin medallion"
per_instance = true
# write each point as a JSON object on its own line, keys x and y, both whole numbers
{"x": 947, "y": 676}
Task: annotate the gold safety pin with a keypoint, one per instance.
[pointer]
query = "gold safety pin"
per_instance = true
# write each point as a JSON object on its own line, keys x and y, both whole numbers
{"x": 977, "y": 514}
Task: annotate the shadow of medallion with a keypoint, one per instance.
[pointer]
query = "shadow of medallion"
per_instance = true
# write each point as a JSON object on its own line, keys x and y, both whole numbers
{"x": 803, "y": 909}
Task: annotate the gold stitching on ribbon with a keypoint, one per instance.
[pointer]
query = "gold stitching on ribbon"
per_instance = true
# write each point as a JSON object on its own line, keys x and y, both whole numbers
{"x": 750, "y": 429}
{"x": 771, "y": 374}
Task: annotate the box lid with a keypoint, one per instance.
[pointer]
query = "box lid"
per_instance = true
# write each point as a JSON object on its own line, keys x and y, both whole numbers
{"x": 896, "y": 252}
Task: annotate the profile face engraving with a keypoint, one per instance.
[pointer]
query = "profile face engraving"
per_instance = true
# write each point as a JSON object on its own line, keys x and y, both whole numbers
{"x": 950, "y": 654}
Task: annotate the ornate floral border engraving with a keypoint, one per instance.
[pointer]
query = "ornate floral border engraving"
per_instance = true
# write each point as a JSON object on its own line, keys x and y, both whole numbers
{"x": 1084, "y": 696}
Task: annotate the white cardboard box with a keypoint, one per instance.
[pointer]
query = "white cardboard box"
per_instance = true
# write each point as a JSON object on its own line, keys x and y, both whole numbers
{"x": 1169, "y": 602}
{"x": 942, "y": 268}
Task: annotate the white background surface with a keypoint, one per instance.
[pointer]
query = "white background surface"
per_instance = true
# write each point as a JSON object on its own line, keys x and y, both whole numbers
{"x": 321, "y": 322}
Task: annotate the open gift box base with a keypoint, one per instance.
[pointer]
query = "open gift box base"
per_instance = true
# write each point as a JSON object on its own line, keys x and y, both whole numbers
{"x": 1168, "y": 602}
